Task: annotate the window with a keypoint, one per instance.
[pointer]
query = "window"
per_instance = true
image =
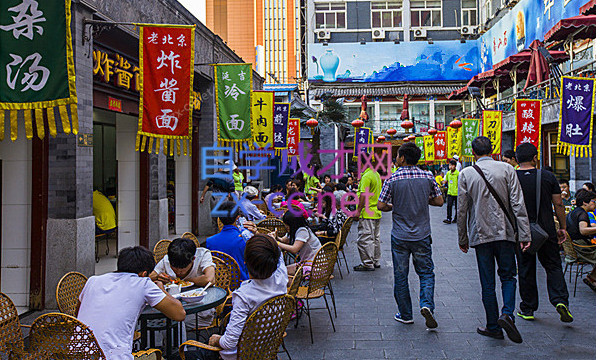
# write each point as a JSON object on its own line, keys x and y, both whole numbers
{"x": 426, "y": 13}
{"x": 330, "y": 15}
{"x": 469, "y": 15}
{"x": 386, "y": 14}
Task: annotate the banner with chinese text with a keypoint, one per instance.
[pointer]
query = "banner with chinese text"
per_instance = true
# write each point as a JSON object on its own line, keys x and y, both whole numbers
{"x": 293, "y": 136}
{"x": 453, "y": 142}
{"x": 429, "y": 148}
{"x": 576, "y": 118}
{"x": 37, "y": 66}
{"x": 281, "y": 114}
{"x": 362, "y": 136}
{"x": 470, "y": 131}
{"x": 262, "y": 118}
{"x": 528, "y": 114}
{"x": 420, "y": 143}
{"x": 233, "y": 83}
{"x": 492, "y": 121}
{"x": 440, "y": 146}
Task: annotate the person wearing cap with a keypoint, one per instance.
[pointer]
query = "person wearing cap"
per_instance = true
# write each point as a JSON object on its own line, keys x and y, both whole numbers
{"x": 250, "y": 210}
{"x": 458, "y": 166}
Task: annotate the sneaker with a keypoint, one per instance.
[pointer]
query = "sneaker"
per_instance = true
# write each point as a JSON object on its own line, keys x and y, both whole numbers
{"x": 447, "y": 221}
{"x": 377, "y": 266}
{"x": 493, "y": 334}
{"x": 398, "y": 318}
{"x": 526, "y": 315}
{"x": 454, "y": 221}
{"x": 431, "y": 323}
{"x": 362, "y": 267}
{"x": 506, "y": 322}
{"x": 564, "y": 312}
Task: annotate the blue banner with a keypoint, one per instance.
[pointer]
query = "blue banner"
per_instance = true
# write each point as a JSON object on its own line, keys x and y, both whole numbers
{"x": 576, "y": 123}
{"x": 362, "y": 136}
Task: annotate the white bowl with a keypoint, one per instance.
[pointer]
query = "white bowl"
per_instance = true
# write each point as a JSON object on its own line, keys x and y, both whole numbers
{"x": 190, "y": 296}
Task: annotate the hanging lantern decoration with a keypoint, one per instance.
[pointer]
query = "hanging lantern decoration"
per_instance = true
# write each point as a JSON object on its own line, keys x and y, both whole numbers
{"x": 432, "y": 131}
{"x": 456, "y": 124}
{"x": 357, "y": 123}
{"x": 407, "y": 124}
{"x": 391, "y": 132}
{"x": 412, "y": 137}
{"x": 312, "y": 123}
{"x": 380, "y": 139}
{"x": 406, "y": 139}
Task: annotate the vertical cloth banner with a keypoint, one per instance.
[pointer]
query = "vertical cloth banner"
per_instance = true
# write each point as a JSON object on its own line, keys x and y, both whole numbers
{"x": 528, "y": 114}
{"x": 441, "y": 146}
{"x": 576, "y": 116}
{"x": 362, "y": 136}
{"x": 37, "y": 74}
{"x": 492, "y": 121}
{"x": 453, "y": 142}
{"x": 233, "y": 83}
{"x": 281, "y": 114}
{"x": 420, "y": 143}
{"x": 166, "y": 56}
{"x": 429, "y": 148}
{"x": 470, "y": 130}
{"x": 262, "y": 118}
{"x": 293, "y": 136}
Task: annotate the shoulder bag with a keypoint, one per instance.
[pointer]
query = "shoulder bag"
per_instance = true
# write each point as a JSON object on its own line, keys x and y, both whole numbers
{"x": 539, "y": 236}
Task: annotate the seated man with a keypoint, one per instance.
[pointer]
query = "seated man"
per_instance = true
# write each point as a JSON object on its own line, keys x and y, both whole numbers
{"x": 250, "y": 210}
{"x": 268, "y": 278}
{"x": 105, "y": 216}
{"x": 580, "y": 231}
{"x": 185, "y": 262}
{"x": 110, "y": 304}
{"x": 230, "y": 240}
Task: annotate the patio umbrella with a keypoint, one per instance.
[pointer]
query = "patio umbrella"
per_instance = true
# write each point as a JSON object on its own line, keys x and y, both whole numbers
{"x": 539, "y": 70}
{"x": 405, "y": 115}
{"x": 579, "y": 27}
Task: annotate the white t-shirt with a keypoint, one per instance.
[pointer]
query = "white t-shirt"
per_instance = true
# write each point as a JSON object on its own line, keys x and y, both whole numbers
{"x": 202, "y": 261}
{"x": 311, "y": 246}
{"x": 111, "y": 305}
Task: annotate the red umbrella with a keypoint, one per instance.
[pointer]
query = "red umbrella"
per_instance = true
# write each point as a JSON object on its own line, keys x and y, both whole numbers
{"x": 539, "y": 70}
{"x": 405, "y": 115}
{"x": 581, "y": 27}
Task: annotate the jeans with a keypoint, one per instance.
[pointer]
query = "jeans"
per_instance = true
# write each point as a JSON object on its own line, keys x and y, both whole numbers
{"x": 549, "y": 257}
{"x": 423, "y": 264}
{"x": 451, "y": 200}
{"x": 504, "y": 254}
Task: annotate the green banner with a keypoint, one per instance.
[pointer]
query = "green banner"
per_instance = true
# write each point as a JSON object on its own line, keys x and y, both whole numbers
{"x": 233, "y": 84}
{"x": 470, "y": 131}
{"x": 420, "y": 144}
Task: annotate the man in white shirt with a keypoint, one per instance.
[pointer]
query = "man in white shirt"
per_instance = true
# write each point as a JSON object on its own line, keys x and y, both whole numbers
{"x": 110, "y": 304}
{"x": 458, "y": 166}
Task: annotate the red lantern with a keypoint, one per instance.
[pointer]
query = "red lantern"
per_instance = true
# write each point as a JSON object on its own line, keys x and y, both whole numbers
{"x": 412, "y": 137}
{"x": 456, "y": 124}
{"x": 391, "y": 132}
{"x": 407, "y": 124}
{"x": 357, "y": 123}
{"x": 381, "y": 139}
{"x": 312, "y": 123}
{"x": 432, "y": 131}
{"x": 406, "y": 139}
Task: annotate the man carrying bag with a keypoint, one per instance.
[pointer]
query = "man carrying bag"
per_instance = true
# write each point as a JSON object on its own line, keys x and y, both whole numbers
{"x": 541, "y": 192}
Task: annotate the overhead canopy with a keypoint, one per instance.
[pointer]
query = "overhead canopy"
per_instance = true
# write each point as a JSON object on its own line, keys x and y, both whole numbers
{"x": 384, "y": 90}
{"x": 589, "y": 8}
{"x": 486, "y": 79}
{"x": 522, "y": 60}
{"x": 581, "y": 27}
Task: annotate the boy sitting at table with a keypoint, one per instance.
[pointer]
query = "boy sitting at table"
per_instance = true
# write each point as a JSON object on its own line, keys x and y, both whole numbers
{"x": 110, "y": 304}
{"x": 185, "y": 262}
{"x": 268, "y": 278}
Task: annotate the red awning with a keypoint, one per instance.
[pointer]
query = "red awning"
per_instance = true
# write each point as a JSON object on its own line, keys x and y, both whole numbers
{"x": 522, "y": 59}
{"x": 486, "y": 78}
{"x": 581, "y": 27}
{"x": 589, "y": 8}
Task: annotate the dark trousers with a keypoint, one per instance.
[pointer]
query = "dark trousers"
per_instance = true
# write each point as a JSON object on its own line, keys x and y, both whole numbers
{"x": 197, "y": 354}
{"x": 451, "y": 200}
{"x": 503, "y": 253}
{"x": 548, "y": 255}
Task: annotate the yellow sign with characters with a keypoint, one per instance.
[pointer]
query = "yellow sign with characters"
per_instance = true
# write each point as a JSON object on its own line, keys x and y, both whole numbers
{"x": 454, "y": 137}
{"x": 117, "y": 70}
{"x": 492, "y": 121}
{"x": 429, "y": 148}
{"x": 262, "y": 118}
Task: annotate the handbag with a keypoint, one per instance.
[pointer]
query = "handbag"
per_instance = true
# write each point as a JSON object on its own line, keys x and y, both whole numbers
{"x": 539, "y": 236}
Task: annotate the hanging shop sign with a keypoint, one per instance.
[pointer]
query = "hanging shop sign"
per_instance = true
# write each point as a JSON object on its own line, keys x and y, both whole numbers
{"x": 492, "y": 121}
{"x": 362, "y": 136}
{"x": 420, "y": 143}
{"x": 429, "y": 148}
{"x": 116, "y": 70}
{"x": 37, "y": 74}
{"x": 166, "y": 54}
{"x": 281, "y": 114}
{"x": 114, "y": 104}
{"x": 293, "y": 136}
{"x": 470, "y": 130}
{"x": 441, "y": 146}
{"x": 233, "y": 83}
{"x": 528, "y": 114}
{"x": 454, "y": 138}
{"x": 262, "y": 118}
{"x": 576, "y": 116}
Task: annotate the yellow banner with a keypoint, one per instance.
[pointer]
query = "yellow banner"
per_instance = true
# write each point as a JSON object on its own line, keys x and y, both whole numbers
{"x": 454, "y": 137}
{"x": 429, "y": 148}
{"x": 262, "y": 118}
{"x": 492, "y": 121}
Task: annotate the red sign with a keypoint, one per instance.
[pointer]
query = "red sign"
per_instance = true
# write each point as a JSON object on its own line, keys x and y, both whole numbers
{"x": 167, "y": 64}
{"x": 293, "y": 136}
{"x": 528, "y": 115}
{"x": 114, "y": 104}
{"x": 441, "y": 145}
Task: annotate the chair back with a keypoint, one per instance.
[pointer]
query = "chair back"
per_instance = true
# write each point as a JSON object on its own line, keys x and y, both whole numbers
{"x": 64, "y": 337}
{"x": 235, "y": 277}
{"x": 263, "y": 331}
{"x": 345, "y": 230}
{"x": 191, "y": 236}
{"x": 322, "y": 267}
{"x": 568, "y": 247}
{"x": 262, "y": 230}
{"x": 68, "y": 290}
{"x": 11, "y": 336}
{"x": 273, "y": 224}
{"x": 296, "y": 281}
{"x": 338, "y": 239}
{"x": 223, "y": 275}
{"x": 151, "y": 354}
{"x": 220, "y": 225}
{"x": 161, "y": 249}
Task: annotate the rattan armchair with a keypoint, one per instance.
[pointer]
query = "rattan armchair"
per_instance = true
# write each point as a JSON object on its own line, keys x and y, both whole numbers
{"x": 161, "y": 249}
{"x": 345, "y": 230}
{"x": 11, "y": 336}
{"x": 296, "y": 281}
{"x": 320, "y": 273}
{"x": 273, "y": 224}
{"x": 191, "y": 236}
{"x": 220, "y": 225}
{"x": 68, "y": 290}
{"x": 151, "y": 354}
{"x": 571, "y": 258}
{"x": 235, "y": 277}
{"x": 263, "y": 331}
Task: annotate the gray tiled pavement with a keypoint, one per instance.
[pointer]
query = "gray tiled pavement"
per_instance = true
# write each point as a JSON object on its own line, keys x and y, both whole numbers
{"x": 365, "y": 309}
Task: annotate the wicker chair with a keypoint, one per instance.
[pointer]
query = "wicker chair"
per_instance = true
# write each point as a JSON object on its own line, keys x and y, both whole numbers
{"x": 262, "y": 230}
{"x": 273, "y": 224}
{"x": 296, "y": 281}
{"x": 320, "y": 273}
{"x": 263, "y": 331}
{"x": 571, "y": 258}
{"x": 68, "y": 290}
{"x": 161, "y": 249}
{"x": 191, "y": 236}
{"x": 11, "y": 336}
{"x": 345, "y": 230}
{"x": 230, "y": 262}
{"x": 151, "y": 354}
{"x": 220, "y": 225}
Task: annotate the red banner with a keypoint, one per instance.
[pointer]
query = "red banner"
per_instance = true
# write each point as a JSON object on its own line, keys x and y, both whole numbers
{"x": 441, "y": 146}
{"x": 167, "y": 64}
{"x": 293, "y": 136}
{"x": 528, "y": 114}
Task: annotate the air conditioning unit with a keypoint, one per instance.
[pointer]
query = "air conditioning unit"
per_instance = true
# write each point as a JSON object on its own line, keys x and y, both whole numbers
{"x": 378, "y": 34}
{"x": 419, "y": 33}
{"x": 323, "y": 34}
{"x": 468, "y": 30}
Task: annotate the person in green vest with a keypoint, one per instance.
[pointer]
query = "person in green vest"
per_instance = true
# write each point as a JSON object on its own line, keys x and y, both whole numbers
{"x": 451, "y": 182}
{"x": 369, "y": 224}
{"x": 311, "y": 181}
{"x": 394, "y": 166}
{"x": 238, "y": 180}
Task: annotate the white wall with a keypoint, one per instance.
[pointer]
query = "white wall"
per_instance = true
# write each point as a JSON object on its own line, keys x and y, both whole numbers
{"x": 183, "y": 193}
{"x": 128, "y": 181}
{"x": 16, "y": 217}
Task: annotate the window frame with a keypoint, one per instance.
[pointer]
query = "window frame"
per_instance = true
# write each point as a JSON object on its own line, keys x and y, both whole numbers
{"x": 400, "y": 10}
{"x": 426, "y": 8}
{"x": 330, "y": 11}
{"x": 468, "y": 10}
